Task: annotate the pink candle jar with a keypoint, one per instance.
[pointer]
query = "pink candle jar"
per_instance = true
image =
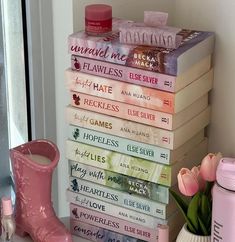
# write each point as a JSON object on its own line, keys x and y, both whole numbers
{"x": 98, "y": 19}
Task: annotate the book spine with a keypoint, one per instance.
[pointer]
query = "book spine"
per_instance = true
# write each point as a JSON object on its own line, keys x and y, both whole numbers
{"x": 132, "y": 216}
{"x": 124, "y": 73}
{"x": 120, "y": 163}
{"x": 127, "y": 55}
{"x": 122, "y": 110}
{"x": 121, "y": 91}
{"x": 136, "y": 131}
{"x": 120, "y": 198}
{"x": 120, "y": 182}
{"x": 97, "y": 234}
{"x": 121, "y": 145}
{"x": 131, "y": 166}
{"x": 112, "y": 223}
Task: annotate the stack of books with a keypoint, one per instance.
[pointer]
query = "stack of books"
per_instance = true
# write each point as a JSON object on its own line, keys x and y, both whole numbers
{"x": 137, "y": 116}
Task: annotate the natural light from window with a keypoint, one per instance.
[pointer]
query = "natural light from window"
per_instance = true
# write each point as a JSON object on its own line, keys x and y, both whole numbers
{"x": 15, "y": 72}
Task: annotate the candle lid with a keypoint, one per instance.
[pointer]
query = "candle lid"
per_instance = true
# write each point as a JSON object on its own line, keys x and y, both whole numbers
{"x": 98, "y": 12}
{"x": 7, "y": 206}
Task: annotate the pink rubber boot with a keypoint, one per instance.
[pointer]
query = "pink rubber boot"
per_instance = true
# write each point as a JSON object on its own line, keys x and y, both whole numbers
{"x": 33, "y": 164}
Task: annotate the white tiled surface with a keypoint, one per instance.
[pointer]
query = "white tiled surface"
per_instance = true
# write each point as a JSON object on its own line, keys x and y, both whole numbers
{"x": 66, "y": 222}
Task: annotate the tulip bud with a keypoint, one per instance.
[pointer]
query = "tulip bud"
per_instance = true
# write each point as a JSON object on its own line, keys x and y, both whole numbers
{"x": 187, "y": 182}
{"x": 202, "y": 183}
{"x": 209, "y": 165}
{"x": 196, "y": 170}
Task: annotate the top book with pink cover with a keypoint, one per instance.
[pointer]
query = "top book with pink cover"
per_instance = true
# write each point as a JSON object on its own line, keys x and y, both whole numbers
{"x": 195, "y": 46}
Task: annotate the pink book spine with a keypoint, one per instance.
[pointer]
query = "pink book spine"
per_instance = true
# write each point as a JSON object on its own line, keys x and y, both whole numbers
{"x": 120, "y": 91}
{"x": 124, "y": 73}
{"x": 121, "y": 110}
{"x": 112, "y": 223}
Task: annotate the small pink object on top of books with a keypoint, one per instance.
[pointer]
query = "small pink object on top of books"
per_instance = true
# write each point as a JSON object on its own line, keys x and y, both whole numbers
{"x": 140, "y": 34}
{"x": 98, "y": 19}
{"x": 155, "y": 19}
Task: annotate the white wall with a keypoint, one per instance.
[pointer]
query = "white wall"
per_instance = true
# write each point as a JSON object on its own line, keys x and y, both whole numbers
{"x": 217, "y": 16}
{"x": 63, "y": 26}
{"x": 213, "y": 15}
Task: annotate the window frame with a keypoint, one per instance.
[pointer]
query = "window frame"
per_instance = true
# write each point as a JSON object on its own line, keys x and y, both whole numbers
{"x": 40, "y": 42}
{"x": 4, "y": 141}
{"x": 40, "y": 46}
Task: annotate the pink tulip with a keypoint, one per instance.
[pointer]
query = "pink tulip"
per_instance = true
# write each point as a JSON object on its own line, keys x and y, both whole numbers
{"x": 187, "y": 182}
{"x": 209, "y": 165}
{"x": 196, "y": 170}
{"x": 202, "y": 183}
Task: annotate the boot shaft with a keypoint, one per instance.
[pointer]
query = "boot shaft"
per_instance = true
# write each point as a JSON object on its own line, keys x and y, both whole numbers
{"x": 34, "y": 213}
{"x": 33, "y": 179}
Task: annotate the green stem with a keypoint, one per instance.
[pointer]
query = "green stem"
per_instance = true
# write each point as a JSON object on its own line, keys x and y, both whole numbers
{"x": 209, "y": 186}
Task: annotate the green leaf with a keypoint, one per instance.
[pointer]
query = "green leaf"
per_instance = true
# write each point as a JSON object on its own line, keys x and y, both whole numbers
{"x": 205, "y": 208}
{"x": 192, "y": 213}
{"x": 203, "y": 227}
{"x": 208, "y": 223}
{"x": 183, "y": 206}
{"x": 179, "y": 200}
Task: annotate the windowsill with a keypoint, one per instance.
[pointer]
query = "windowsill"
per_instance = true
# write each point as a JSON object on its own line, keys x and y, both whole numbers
{"x": 27, "y": 239}
{"x": 65, "y": 221}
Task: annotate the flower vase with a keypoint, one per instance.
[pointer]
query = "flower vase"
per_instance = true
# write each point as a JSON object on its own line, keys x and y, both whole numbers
{"x": 186, "y": 236}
